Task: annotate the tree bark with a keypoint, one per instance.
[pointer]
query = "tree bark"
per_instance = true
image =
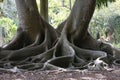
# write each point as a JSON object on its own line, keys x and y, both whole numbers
{"x": 28, "y": 17}
{"x": 44, "y": 9}
{"x": 70, "y": 3}
{"x": 80, "y": 17}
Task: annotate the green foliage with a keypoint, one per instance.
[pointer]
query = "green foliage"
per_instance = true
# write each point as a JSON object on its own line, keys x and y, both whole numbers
{"x": 107, "y": 17}
{"x": 9, "y": 10}
{"x": 103, "y": 2}
{"x": 99, "y": 22}
{"x": 9, "y": 26}
{"x": 116, "y": 45}
{"x": 59, "y": 11}
{"x": 114, "y": 22}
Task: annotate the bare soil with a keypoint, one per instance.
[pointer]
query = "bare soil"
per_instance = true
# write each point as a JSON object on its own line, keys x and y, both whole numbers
{"x": 62, "y": 75}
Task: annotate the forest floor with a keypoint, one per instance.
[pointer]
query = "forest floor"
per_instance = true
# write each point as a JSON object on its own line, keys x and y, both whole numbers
{"x": 113, "y": 74}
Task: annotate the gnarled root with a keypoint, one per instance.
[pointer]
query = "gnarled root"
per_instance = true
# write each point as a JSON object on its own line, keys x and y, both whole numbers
{"x": 61, "y": 55}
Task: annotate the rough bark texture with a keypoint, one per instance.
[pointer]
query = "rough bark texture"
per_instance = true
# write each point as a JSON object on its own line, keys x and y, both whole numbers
{"x": 37, "y": 45}
{"x": 44, "y": 9}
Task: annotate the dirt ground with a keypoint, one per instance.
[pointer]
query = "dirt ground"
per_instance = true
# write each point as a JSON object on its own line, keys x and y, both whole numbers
{"x": 62, "y": 75}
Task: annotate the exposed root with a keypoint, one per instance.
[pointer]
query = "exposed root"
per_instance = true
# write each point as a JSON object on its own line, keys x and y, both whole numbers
{"x": 17, "y": 42}
{"x": 42, "y": 54}
{"x": 97, "y": 65}
{"x": 62, "y": 55}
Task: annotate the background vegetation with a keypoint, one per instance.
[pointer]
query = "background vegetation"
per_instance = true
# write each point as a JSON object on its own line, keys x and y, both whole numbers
{"x": 9, "y": 28}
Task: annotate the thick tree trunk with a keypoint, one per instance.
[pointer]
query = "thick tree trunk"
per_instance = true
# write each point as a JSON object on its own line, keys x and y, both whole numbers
{"x": 28, "y": 17}
{"x": 29, "y": 24}
{"x": 78, "y": 21}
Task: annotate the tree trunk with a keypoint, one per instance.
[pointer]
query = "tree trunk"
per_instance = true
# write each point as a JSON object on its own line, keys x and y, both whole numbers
{"x": 28, "y": 17}
{"x": 80, "y": 17}
{"x": 70, "y": 3}
{"x": 44, "y": 9}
